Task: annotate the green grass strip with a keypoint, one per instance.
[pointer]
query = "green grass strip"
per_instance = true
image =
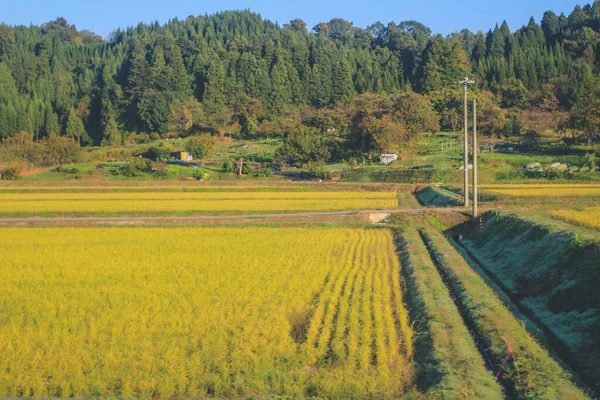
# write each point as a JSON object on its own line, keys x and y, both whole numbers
{"x": 450, "y": 366}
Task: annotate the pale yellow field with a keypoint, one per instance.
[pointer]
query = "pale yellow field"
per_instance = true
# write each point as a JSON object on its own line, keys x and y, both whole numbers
{"x": 124, "y": 206}
{"x": 540, "y": 185}
{"x": 547, "y": 191}
{"x": 197, "y": 312}
{"x": 268, "y": 196}
{"x": 588, "y": 217}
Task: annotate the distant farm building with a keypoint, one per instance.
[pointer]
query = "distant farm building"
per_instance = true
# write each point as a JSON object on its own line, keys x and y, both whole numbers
{"x": 181, "y": 156}
{"x": 387, "y": 159}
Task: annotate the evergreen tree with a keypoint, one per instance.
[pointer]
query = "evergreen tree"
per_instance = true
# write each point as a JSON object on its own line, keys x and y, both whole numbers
{"x": 342, "y": 87}
{"x": 213, "y": 95}
{"x": 74, "y": 127}
{"x": 133, "y": 80}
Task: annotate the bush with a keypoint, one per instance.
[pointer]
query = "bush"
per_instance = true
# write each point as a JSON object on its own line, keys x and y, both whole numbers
{"x": 202, "y": 174}
{"x": 201, "y": 147}
{"x": 228, "y": 166}
{"x": 11, "y": 173}
{"x": 22, "y": 147}
{"x": 429, "y": 175}
{"x": 246, "y": 168}
{"x": 157, "y": 153}
{"x": 264, "y": 171}
{"x": 135, "y": 168}
{"x": 315, "y": 171}
{"x": 66, "y": 170}
{"x": 60, "y": 150}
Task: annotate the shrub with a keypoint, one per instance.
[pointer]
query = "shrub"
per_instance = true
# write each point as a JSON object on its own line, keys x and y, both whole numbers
{"x": 228, "y": 166}
{"x": 22, "y": 147}
{"x": 11, "y": 173}
{"x": 60, "y": 150}
{"x": 66, "y": 170}
{"x": 135, "y": 168}
{"x": 315, "y": 171}
{"x": 157, "y": 153}
{"x": 246, "y": 168}
{"x": 264, "y": 171}
{"x": 201, "y": 147}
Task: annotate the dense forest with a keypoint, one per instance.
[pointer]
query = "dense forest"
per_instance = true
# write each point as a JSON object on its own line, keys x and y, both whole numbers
{"x": 234, "y": 72}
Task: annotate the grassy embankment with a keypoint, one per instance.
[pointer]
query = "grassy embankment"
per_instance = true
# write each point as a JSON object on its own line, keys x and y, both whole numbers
{"x": 525, "y": 367}
{"x": 551, "y": 270}
{"x": 448, "y": 363}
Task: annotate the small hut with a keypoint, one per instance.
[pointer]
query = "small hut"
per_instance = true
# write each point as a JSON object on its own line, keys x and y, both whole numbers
{"x": 387, "y": 159}
{"x": 181, "y": 156}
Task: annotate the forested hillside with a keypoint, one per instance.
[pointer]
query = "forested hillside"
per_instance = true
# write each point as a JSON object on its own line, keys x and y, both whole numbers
{"x": 234, "y": 71}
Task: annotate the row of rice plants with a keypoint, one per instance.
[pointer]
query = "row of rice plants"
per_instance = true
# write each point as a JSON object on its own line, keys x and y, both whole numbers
{"x": 355, "y": 327}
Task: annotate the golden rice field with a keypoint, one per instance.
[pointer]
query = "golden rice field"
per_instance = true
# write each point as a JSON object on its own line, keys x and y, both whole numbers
{"x": 202, "y": 312}
{"x": 539, "y": 185}
{"x": 195, "y": 202}
{"x": 525, "y": 190}
{"x": 588, "y": 217}
{"x": 547, "y": 191}
{"x": 198, "y": 196}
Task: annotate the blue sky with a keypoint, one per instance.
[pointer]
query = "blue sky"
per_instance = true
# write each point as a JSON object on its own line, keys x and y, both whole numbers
{"x": 441, "y": 16}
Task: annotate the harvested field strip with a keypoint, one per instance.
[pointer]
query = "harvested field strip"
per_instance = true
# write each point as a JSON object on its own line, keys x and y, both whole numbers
{"x": 524, "y": 365}
{"x": 589, "y": 217}
{"x": 541, "y": 185}
{"x": 450, "y": 365}
{"x": 201, "y": 312}
{"x": 547, "y": 191}
{"x": 201, "y": 196}
{"x": 149, "y": 186}
{"x": 262, "y": 205}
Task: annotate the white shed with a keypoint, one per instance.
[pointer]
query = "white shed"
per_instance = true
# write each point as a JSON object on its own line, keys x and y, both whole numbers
{"x": 387, "y": 159}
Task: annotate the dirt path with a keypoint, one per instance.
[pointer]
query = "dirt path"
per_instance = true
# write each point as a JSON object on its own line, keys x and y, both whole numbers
{"x": 330, "y": 216}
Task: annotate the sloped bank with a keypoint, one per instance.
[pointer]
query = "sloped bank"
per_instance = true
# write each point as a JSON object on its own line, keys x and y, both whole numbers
{"x": 434, "y": 197}
{"x": 552, "y": 275}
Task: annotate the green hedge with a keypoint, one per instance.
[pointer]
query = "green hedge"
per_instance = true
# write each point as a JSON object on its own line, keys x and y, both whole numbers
{"x": 430, "y": 175}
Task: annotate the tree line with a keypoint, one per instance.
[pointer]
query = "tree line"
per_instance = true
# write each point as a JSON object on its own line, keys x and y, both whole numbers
{"x": 237, "y": 72}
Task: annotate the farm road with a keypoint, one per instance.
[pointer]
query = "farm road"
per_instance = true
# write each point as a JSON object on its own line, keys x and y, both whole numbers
{"x": 329, "y": 216}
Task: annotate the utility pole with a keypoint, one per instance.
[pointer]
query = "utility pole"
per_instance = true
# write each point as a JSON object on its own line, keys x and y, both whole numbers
{"x": 241, "y": 166}
{"x": 466, "y": 82}
{"x": 475, "y": 155}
